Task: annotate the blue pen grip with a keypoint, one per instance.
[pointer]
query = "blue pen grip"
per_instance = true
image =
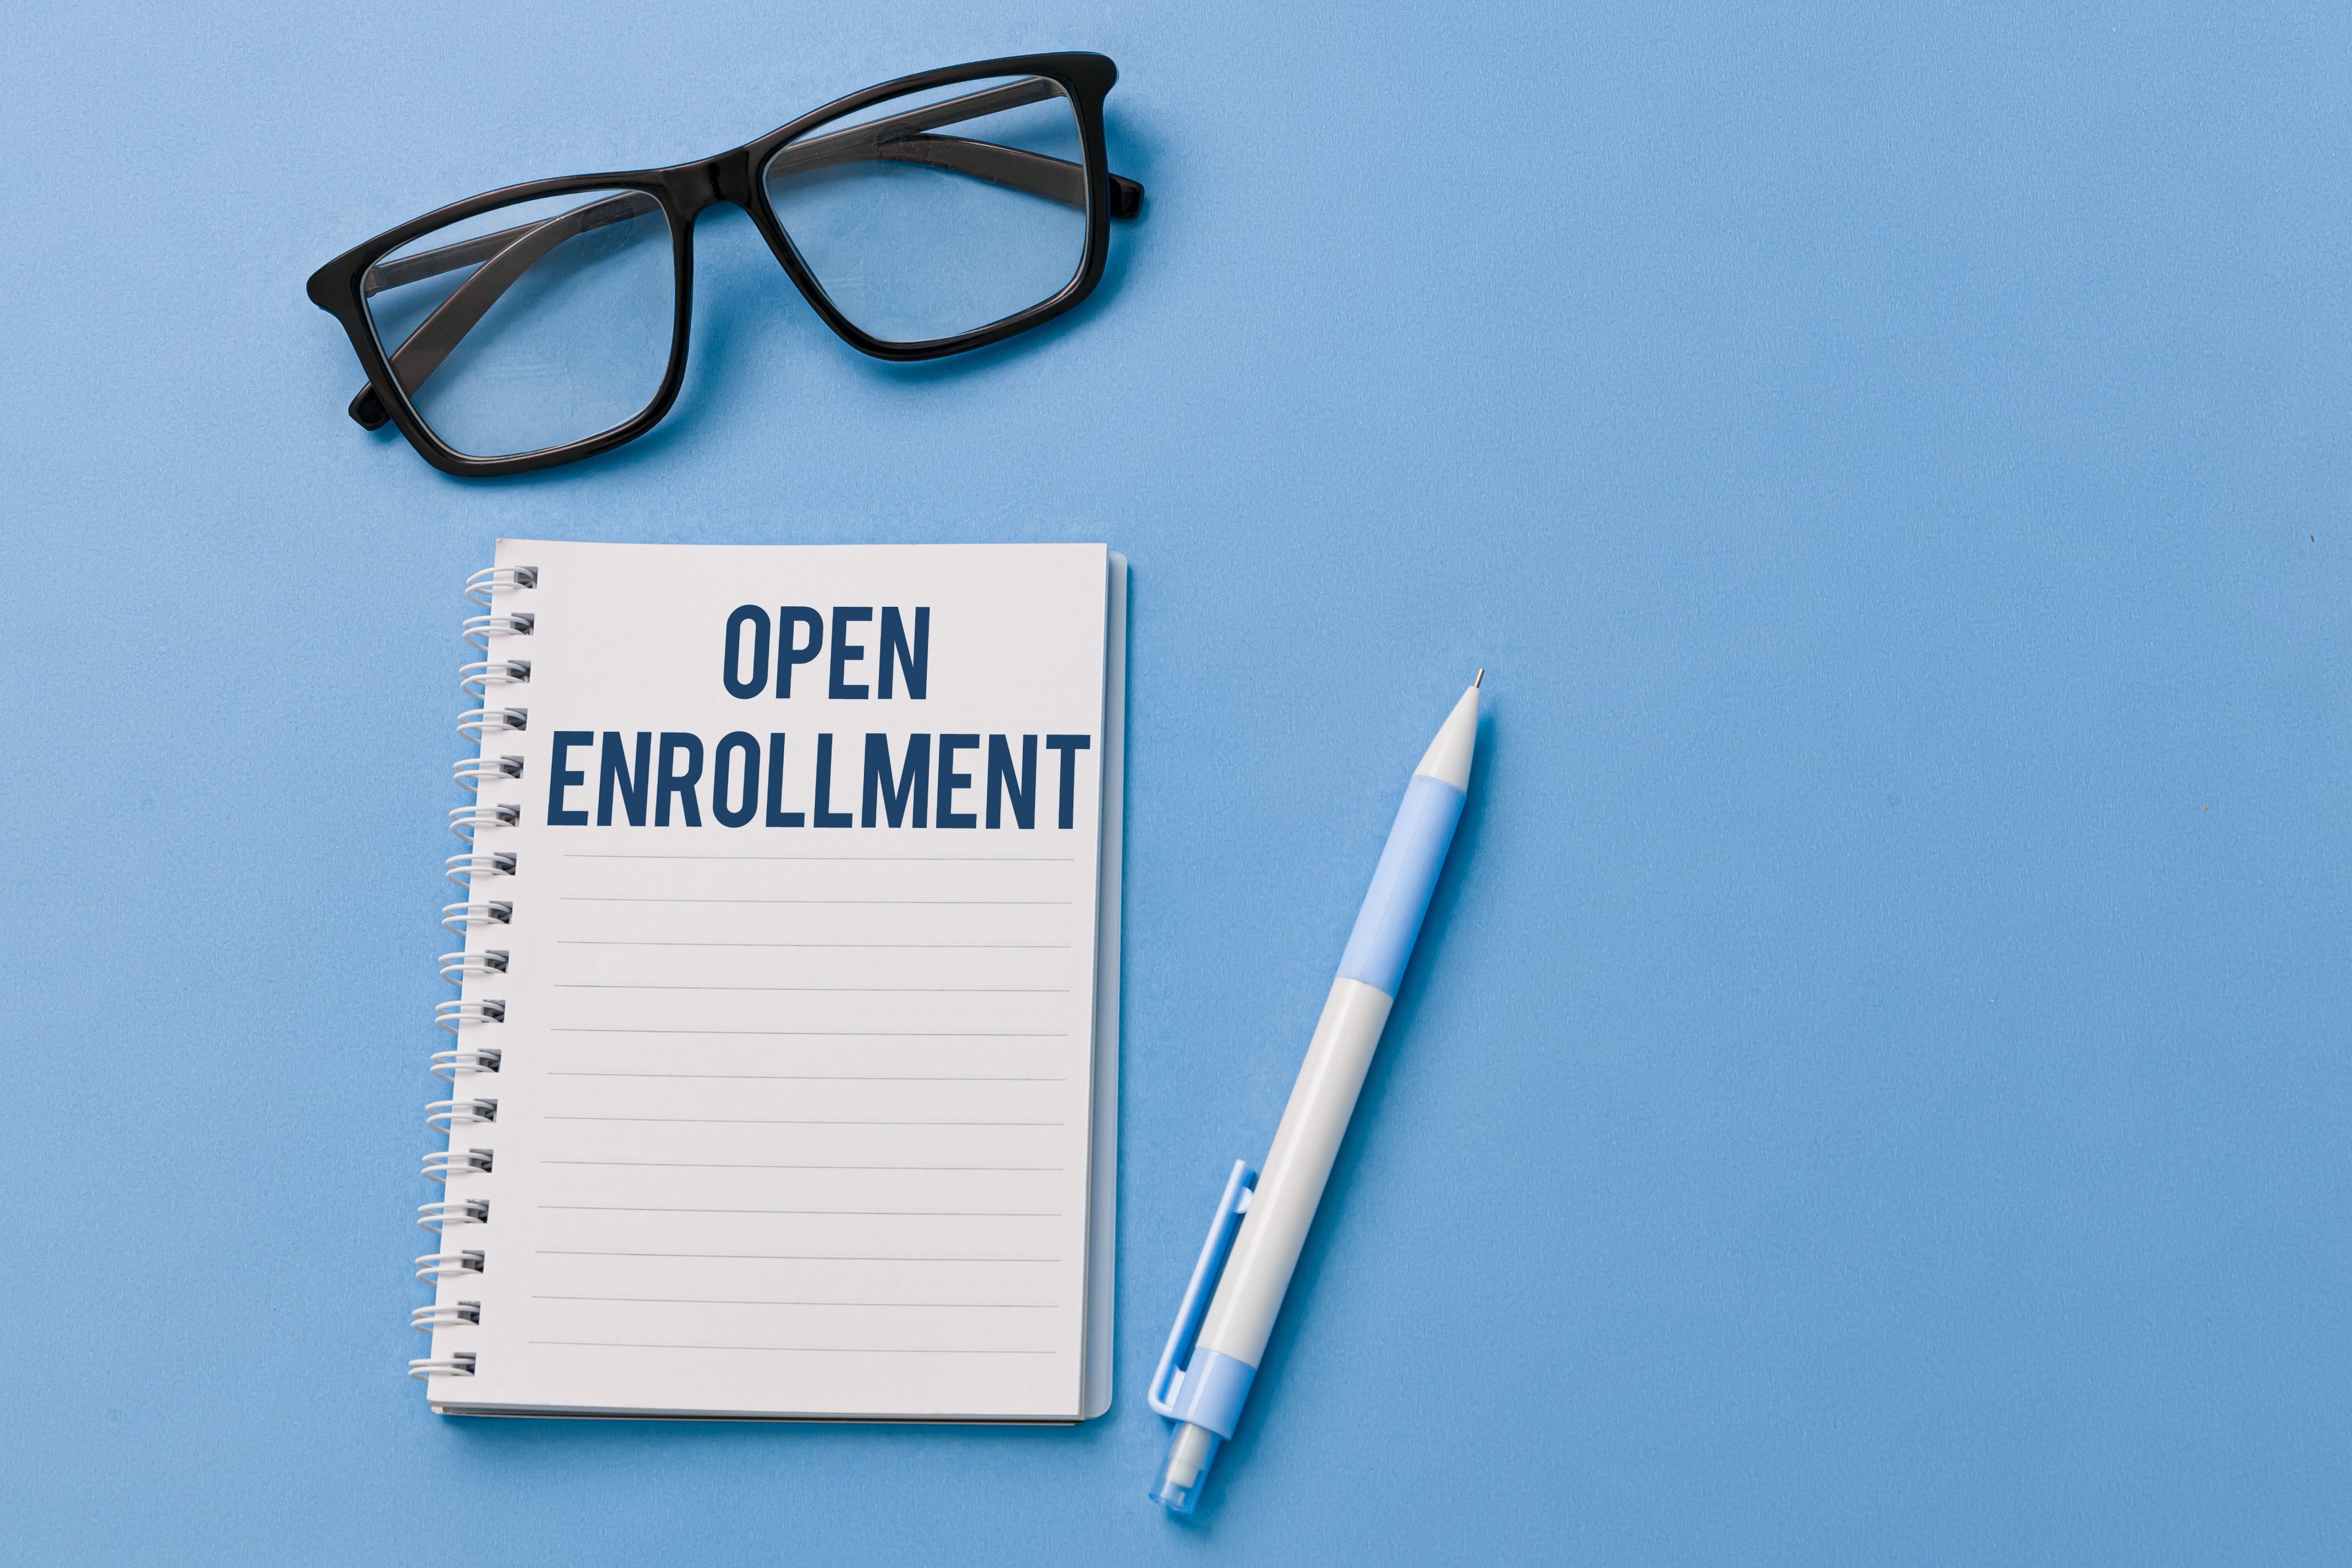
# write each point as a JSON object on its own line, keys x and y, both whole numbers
{"x": 1406, "y": 876}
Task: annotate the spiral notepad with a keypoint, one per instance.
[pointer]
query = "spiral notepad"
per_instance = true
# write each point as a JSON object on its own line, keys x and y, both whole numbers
{"x": 784, "y": 1068}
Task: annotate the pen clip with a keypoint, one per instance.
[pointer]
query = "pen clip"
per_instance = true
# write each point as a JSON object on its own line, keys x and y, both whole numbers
{"x": 1214, "y": 1252}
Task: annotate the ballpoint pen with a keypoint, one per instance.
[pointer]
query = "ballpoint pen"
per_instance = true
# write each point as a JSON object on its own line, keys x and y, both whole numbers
{"x": 1261, "y": 1221}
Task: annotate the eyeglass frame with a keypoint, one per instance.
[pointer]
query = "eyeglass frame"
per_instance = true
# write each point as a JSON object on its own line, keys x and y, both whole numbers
{"x": 685, "y": 191}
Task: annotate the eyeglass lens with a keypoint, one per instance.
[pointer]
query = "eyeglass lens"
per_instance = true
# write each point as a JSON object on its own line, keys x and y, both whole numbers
{"x": 532, "y": 325}
{"x": 941, "y": 212}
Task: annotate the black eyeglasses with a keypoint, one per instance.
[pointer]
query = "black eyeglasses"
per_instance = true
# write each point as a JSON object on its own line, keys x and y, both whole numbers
{"x": 547, "y": 322}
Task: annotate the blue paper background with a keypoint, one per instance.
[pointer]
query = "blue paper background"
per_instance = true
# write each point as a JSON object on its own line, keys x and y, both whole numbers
{"x": 1874, "y": 1089}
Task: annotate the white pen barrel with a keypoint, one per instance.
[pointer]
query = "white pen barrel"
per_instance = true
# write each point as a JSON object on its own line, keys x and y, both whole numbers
{"x": 1291, "y": 1182}
{"x": 1205, "y": 1395}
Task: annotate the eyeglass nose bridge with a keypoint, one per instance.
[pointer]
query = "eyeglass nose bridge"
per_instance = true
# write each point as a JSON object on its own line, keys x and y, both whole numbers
{"x": 694, "y": 186}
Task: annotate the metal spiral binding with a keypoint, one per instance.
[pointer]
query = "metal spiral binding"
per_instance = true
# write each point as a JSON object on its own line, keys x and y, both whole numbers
{"x": 455, "y": 1016}
{"x": 475, "y": 723}
{"x": 443, "y": 1115}
{"x": 464, "y": 918}
{"x": 456, "y": 967}
{"x": 475, "y": 680}
{"x": 458, "y": 1314}
{"x": 447, "y": 1064}
{"x": 443, "y": 1164}
{"x": 464, "y": 869}
{"x": 481, "y": 863}
{"x": 458, "y": 1366}
{"x": 473, "y": 772}
{"x": 464, "y": 821}
{"x": 452, "y": 1212}
{"x": 480, "y": 628}
{"x": 483, "y": 585}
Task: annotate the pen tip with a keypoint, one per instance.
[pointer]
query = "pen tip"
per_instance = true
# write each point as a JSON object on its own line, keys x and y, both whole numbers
{"x": 1476, "y": 679}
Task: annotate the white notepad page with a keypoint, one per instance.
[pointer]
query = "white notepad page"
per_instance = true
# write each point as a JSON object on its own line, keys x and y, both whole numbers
{"x": 799, "y": 1119}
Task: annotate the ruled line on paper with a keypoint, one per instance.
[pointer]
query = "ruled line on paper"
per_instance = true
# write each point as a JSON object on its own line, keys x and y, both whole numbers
{"x": 860, "y": 1212}
{"x": 737, "y": 1301}
{"x": 824, "y": 1033}
{"x": 843, "y": 990}
{"x": 757, "y": 1165}
{"x": 893, "y": 902}
{"x": 778, "y": 1257}
{"x": 793, "y": 1349}
{"x": 794, "y": 1121}
{"x": 861, "y": 946}
{"x": 807, "y": 1077}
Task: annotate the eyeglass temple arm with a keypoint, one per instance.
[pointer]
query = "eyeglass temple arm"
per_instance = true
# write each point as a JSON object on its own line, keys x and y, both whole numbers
{"x": 511, "y": 253}
{"x": 407, "y": 269}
